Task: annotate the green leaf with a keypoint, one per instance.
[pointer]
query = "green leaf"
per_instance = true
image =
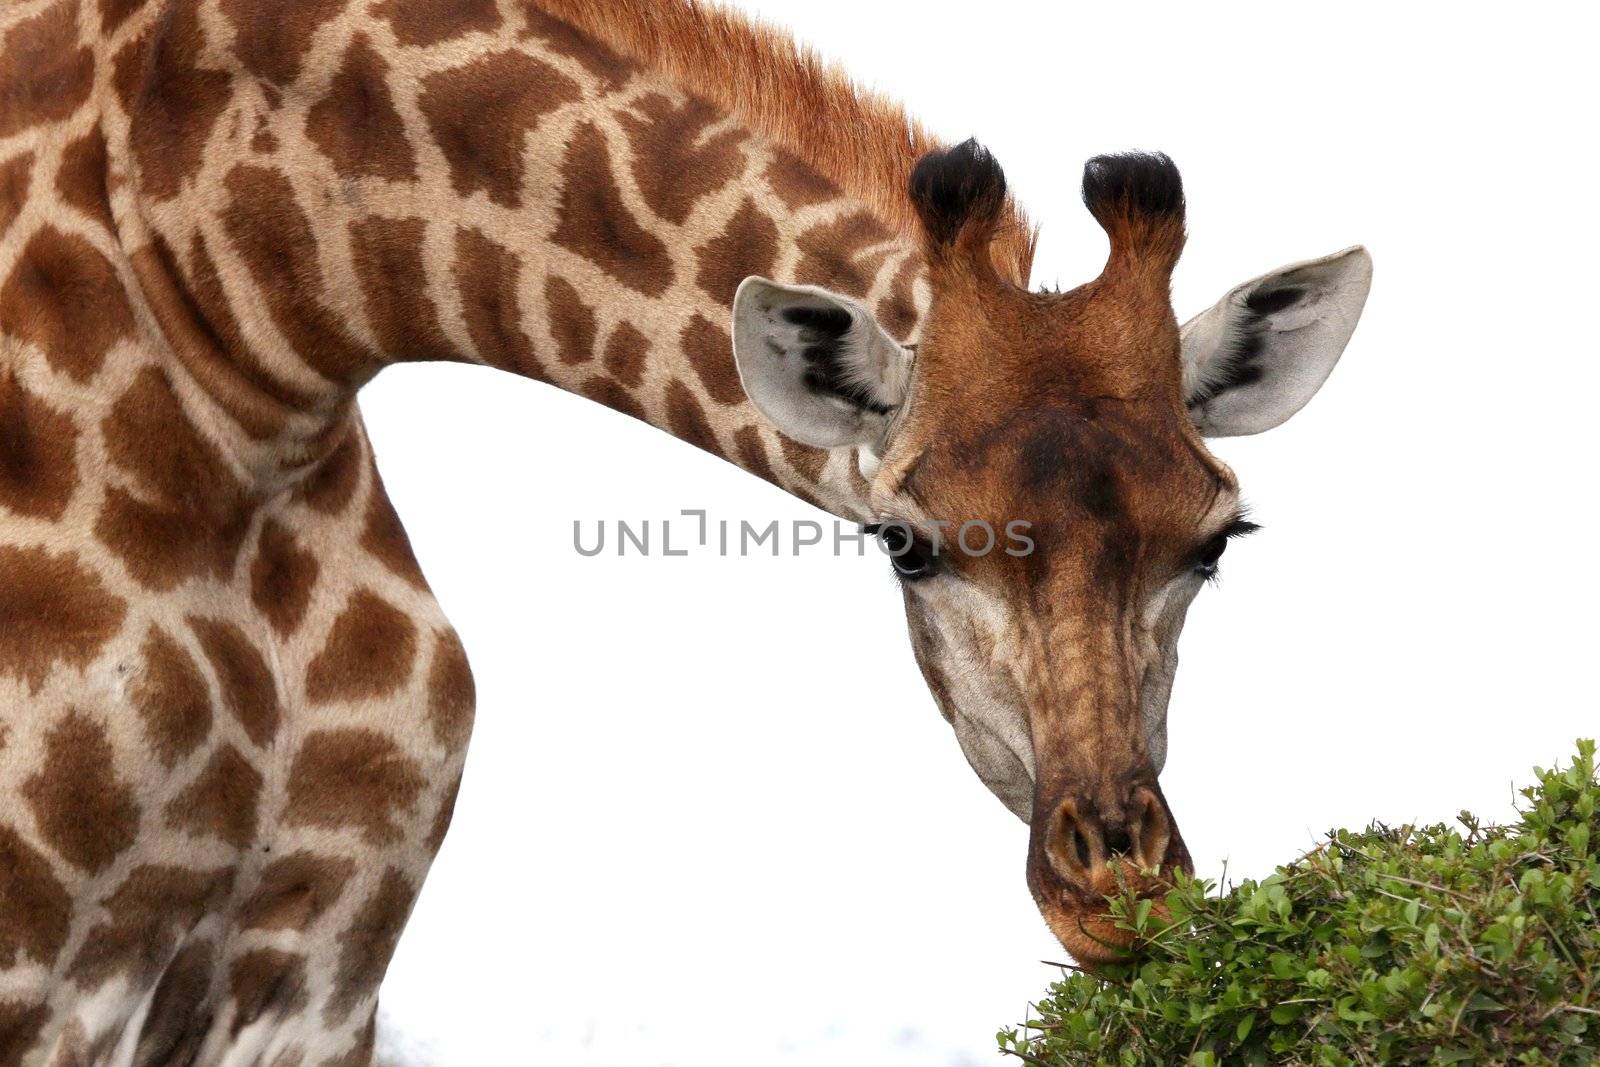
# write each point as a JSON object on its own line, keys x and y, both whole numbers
{"x": 1465, "y": 943}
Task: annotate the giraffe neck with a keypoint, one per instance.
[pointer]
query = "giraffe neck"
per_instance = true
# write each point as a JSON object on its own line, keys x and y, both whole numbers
{"x": 234, "y": 717}
{"x": 492, "y": 187}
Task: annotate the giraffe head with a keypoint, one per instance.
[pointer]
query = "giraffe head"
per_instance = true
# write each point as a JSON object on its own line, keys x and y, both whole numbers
{"x": 1063, "y": 434}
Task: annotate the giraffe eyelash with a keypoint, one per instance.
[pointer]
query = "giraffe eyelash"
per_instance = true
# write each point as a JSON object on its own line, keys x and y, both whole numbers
{"x": 1209, "y": 557}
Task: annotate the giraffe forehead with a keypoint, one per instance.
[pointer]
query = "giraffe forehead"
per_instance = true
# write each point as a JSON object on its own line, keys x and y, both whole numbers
{"x": 1051, "y": 399}
{"x": 1108, "y": 458}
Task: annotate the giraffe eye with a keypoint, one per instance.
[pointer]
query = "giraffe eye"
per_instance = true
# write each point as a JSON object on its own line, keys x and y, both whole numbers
{"x": 1211, "y": 556}
{"x": 911, "y": 557}
{"x": 1206, "y": 560}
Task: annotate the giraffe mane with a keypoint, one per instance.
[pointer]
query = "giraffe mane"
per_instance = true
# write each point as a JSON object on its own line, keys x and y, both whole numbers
{"x": 863, "y": 141}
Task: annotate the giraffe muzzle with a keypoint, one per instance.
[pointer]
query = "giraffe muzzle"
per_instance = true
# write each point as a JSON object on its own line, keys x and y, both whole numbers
{"x": 1083, "y": 850}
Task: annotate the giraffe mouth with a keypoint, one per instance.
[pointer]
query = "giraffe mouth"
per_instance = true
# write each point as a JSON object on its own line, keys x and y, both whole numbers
{"x": 1090, "y": 930}
{"x": 1088, "y": 876}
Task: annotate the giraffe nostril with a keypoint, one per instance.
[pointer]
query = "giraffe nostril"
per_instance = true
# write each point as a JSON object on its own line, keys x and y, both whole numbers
{"x": 1080, "y": 845}
{"x": 1152, "y": 828}
{"x": 1071, "y": 844}
{"x": 1080, "y": 852}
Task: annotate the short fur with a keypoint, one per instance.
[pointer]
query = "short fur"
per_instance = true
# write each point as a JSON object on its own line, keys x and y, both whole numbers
{"x": 784, "y": 91}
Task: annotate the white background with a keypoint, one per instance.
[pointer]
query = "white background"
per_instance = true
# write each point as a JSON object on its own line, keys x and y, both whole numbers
{"x": 711, "y": 816}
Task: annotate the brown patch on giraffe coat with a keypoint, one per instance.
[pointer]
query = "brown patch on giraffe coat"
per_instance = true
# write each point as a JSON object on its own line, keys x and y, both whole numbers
{"x": 710, "y": 350}
{"x": 753, "y": 454}
{"x": 194, "y": 514}
{"x": 747, "y": 246}
{"x": 367, "y": 944}
{"x": 81, "y": 178}
{"x": 264, "y": 142}
{"x": 451, "y": 692}
{"x": 171, "y": 698}
{"x": 245, "y": 679}
{"x": 428, "y": 22}
{"x": 610, "y": 69}
{"x": 173, "y": 103}
{"x": 687, "y": 419}
{"x": 797, "y": 183}
{"x": 149, "y": 435}
{"x": 282, "y": 578}
{"x": 803, "y": 458}
{"x": 572, "y": 322}
{"x": 37, "y": 911}
{"x": 352, "y": 778}
{"x": 272, "y": 40}
{"x": 385, "y": 539}
{"x": 180, "y": 1013}
{"x": 145, "y": 916}
{"x": 674, "y": 161}
{"x": 114, "y": 13}
{"x": 16, "y": 176}
{"x": 65, "y": 297}
{"x": 897, "y": 312}
{"x": 53, "y": 610}
{"x": 485, "y": 274}
{"x": 266, "y": 980}
{"x": 83, "y": 810}
{"x": 370, "y": 652}
{"x": 626, "y": 350}
{"x": 356, "y": 124}
{"x": 388, "y": 261}
{"x": 48, "y": 73}
{"x": 38, "y": 453}
{"x": 295, "y": 891}
{"x": 161, "y": 547}
{"x": 20, "y": 1024}
{"x": 834, "y": 256}
{"x": 331, "y": 484}
{"x": 222, "y": 801}
{"x": 597, "y": 224}
{"x": 480, "y": 115}
{"x": 276, "y": 241}
{"x": 608, "y": 392}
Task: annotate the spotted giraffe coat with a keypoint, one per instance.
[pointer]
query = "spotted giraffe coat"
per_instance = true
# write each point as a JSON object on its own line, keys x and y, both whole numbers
{"x": 232, "y": 717}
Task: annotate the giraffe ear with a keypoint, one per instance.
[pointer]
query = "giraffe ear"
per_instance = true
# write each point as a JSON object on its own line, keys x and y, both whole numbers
{"x": 817, "y": 364}
{"x": 1265, "y": 349}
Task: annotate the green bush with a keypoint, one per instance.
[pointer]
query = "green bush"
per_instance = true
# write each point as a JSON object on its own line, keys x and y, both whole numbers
{"x": 1418, "y": 945}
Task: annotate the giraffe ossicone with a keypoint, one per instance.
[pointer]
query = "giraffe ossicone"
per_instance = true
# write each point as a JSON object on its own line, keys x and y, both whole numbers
{"x": 232, "y": 716}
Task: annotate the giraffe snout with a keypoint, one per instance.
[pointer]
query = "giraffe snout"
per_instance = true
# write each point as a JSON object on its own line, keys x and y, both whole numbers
{"x": 1085, "y": 850}
{"x": 1080, "y": 841}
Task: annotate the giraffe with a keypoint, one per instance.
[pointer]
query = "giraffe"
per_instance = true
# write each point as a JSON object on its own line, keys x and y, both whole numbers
{"x": 232, "y": 717}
